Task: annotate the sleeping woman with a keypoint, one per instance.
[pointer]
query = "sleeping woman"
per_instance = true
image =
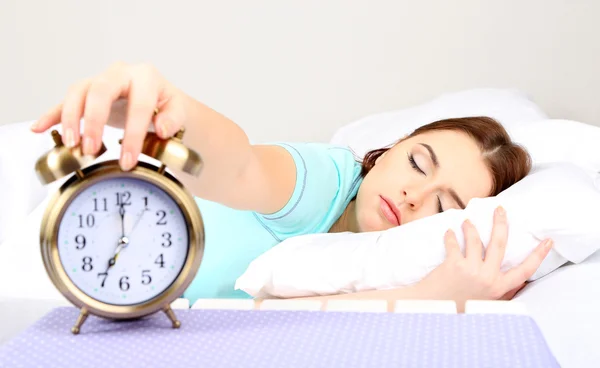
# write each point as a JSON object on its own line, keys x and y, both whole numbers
{"x": 252, "y": 197}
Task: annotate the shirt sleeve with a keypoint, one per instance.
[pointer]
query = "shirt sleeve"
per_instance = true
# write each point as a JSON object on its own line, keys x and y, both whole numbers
{"x": 327, "y": 179}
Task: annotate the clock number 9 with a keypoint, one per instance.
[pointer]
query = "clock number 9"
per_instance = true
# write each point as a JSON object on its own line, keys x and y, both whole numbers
{"x": 80, "y": 240}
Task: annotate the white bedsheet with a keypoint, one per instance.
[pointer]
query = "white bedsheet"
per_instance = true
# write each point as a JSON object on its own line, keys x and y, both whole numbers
{"x": 566, "y": 306}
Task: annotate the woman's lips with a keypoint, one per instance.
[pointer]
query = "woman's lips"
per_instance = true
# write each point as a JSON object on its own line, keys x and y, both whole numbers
{"x": 390, "y": 211}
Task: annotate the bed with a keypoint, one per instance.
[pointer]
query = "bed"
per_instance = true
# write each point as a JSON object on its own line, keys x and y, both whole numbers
{"x": 563, "y": 304}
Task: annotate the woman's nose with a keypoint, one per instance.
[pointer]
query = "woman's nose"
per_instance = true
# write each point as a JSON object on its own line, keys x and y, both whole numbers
{"x": 416, "y": 197}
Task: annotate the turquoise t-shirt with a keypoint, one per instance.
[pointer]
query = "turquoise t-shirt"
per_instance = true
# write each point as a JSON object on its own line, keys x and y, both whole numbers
{"x": 327, "y": 179}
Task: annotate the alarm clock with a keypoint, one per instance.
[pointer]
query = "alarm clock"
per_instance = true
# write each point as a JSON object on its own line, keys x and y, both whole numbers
{"x": 121, "y": 244}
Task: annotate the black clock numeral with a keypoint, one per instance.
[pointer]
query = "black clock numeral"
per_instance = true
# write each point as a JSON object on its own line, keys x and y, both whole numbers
{"x": 89, "y": 220}
{"x": 105, "y": 274}
{"x": 124, "y": 283}
{"x": 146, "y": 204}
{"x": 146, "y": 279}
{"x": 124, "y": 197}
{"x": 87, "y": 264}
{"x": 80, "y": 241}
{"x": 160, "y": 261}
{"x": 104, "y": 205}
{"x": 167, "y": 237}
{"x": 162, "y": 220}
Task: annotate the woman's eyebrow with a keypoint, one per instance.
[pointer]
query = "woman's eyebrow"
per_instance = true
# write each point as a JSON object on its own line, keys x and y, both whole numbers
{"x": 436, "y": 163}
{"x": 432, "y": 154}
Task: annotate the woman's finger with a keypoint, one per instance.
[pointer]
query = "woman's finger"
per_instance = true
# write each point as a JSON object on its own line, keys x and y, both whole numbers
{"x": 473, "y": 245}
{"x": 143, "y": 98}
{"x": 518, "y": 275}
{"x": 496, "y": 249}
{"x": 102, "y": 92}
{"x": 49, "y": 119}
{"x": 451, "y": 244}
{"x": 72, "y": 111}
{"x": 170, "y": 118}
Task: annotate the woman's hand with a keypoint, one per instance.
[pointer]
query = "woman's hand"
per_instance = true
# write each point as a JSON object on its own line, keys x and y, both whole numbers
{"x": 135, "y": 98}
{"x": 461, "y": 278}
{"x": 124, "y": 96}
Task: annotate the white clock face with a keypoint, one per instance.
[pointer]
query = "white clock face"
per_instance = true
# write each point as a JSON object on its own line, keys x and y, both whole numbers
{"x": 123, "y": 241}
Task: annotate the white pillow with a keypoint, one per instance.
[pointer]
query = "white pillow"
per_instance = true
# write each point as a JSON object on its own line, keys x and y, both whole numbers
{"x": 557, "y": 201}
{"x": 20, "y": 190}
{"x": 559, "y": 140}
{"x": 510, "y": 107}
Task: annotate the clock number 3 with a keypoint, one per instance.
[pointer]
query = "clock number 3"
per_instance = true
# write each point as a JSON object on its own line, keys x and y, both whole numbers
{"x": 167, "y": 237}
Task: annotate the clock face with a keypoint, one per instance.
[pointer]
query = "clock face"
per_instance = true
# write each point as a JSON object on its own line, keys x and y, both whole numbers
{"x": 123, "y": 241}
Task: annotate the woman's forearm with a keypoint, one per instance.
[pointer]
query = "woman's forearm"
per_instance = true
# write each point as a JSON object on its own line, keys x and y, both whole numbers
{"x": 236, "y": 173}
{"x": 223, "y": 146}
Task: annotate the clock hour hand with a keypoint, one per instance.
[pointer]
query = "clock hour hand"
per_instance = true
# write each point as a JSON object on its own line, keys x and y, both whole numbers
{"x": 123, "y": 243}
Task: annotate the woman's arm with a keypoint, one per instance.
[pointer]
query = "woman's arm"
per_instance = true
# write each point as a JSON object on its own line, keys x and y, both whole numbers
{"x": 235, "y": 173}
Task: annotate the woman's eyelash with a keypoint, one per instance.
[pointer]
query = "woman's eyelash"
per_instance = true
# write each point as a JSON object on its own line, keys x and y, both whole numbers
{"x": 413, "y": 163}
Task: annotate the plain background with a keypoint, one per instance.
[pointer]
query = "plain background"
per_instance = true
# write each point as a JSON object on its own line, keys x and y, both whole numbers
{"x": 297, "y": 70}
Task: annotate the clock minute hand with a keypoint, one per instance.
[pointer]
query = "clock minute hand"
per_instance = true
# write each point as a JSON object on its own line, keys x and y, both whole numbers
{"x": 122, "y": 214}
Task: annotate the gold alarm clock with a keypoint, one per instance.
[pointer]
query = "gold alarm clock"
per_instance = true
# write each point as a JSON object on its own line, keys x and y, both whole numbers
{"x": 121, "y": 244}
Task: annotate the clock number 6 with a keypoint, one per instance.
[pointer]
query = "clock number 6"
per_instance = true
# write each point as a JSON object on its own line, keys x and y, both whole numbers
{"x": 123, "y": 283}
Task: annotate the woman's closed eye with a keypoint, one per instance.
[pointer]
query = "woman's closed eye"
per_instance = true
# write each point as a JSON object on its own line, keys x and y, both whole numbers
{"x": 414, "y": 165}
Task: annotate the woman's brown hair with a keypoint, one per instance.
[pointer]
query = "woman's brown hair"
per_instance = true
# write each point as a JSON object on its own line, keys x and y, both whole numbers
{"x": 508, "y": 162}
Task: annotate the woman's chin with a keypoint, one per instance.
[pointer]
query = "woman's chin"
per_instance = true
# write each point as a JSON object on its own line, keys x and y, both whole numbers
{"x": 373, "y": 223}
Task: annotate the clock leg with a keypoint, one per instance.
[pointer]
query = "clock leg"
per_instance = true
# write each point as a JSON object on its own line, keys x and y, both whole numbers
{"x": 172, "y": 317}
{"x": 80, "y": 320}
